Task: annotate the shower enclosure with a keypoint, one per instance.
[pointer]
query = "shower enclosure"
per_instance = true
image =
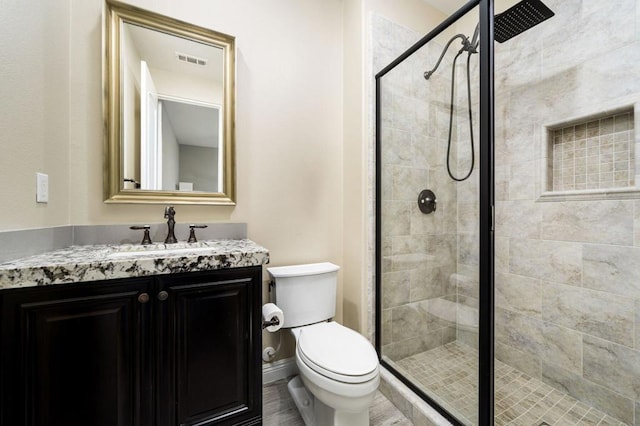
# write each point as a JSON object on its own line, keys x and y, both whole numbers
{"x": 508, "y": 211}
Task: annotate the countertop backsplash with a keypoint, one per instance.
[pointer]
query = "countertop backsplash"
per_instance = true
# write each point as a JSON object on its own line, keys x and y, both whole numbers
{"x": 16, "y": 244}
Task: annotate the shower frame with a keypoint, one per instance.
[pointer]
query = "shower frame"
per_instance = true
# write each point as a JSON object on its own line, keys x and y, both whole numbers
{"x": 486, "y": 211}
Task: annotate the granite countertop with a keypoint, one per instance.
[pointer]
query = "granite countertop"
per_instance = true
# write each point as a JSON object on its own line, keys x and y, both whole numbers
{"x": 105, "y": 262}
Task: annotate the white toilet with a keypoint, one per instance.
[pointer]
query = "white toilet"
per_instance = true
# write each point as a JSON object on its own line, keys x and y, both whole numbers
{"x": 339, "y": 368}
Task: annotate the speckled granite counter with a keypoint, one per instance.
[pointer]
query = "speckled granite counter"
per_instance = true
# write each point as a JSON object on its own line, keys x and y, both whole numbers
{"x": 105, "y": 262}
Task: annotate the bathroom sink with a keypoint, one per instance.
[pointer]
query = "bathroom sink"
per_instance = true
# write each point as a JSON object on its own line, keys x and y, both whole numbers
{"x": 160, "y": 250}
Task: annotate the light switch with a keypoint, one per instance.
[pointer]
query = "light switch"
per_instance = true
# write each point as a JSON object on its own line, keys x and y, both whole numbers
{"x": 42, "y": 188}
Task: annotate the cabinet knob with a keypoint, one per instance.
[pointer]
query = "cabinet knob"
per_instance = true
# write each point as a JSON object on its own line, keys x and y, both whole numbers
{"x": 143, "y": 298}
{"x": 163, "y": 295}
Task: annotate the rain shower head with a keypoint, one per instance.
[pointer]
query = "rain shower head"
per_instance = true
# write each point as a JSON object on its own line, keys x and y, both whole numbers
{"x": 519, "y": 18}
{"x": 506, "y": 25}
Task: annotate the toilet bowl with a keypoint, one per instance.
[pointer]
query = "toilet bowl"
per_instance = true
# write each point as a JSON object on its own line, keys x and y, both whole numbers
{"x": 339, "y": 368}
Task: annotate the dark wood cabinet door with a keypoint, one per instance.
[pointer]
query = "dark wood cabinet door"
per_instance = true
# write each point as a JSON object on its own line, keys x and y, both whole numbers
{"x": 212, "y": 339}
{"x": 76, "y": 355}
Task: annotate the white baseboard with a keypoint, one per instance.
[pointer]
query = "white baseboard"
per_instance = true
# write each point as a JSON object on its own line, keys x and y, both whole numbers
{"x": 277, "y": 370}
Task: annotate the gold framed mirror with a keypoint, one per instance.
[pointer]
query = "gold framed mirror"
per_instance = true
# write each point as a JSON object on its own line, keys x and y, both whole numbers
{"x": 169, "y": 110}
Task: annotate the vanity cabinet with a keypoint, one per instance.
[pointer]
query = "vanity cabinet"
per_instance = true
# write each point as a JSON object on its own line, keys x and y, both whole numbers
{"x": 168, "y": 350}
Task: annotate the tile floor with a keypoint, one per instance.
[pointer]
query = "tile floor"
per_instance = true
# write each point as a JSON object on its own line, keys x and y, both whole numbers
{"x": 448, "y": 373}
{"x": 280, "y": 410}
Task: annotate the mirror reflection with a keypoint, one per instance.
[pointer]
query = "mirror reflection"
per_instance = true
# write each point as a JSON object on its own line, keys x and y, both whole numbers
{"x": 172, "y": 102}
{"x": 169, "y": 109}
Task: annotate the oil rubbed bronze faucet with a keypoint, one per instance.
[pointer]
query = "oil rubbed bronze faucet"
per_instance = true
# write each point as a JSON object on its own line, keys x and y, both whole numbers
{"x": 146, "y": 239}
{"x": 192, "y": 232}
{"x": 169, "y": 213}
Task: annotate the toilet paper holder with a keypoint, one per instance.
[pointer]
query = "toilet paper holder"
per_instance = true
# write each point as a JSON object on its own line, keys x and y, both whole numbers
{"x": 272, "y": 317}
{"x": 272, "y": 321}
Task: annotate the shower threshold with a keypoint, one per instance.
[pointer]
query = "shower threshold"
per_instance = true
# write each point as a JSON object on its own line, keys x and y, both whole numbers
{"x": 449, "y": 375}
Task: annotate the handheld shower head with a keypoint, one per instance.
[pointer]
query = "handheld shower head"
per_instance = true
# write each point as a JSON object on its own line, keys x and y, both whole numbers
{"x": 508, "y": 24}
{"x": 465, "y": 47}
{"x": 474, "y": 39}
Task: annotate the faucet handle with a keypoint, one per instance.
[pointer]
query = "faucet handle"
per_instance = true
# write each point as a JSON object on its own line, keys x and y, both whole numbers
{"x": 169, "y": 212}
{"x": 192, "y": 232}
{"x": 146, "y": 239}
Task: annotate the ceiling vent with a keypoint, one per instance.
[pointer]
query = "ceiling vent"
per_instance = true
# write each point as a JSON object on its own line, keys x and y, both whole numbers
{"x": 183, "y": 57}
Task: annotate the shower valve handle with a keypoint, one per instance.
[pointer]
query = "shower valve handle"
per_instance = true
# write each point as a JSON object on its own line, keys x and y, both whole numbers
{"x": 427, "y": 201}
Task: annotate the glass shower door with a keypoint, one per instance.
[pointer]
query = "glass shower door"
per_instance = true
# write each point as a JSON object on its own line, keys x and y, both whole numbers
{"x": 428, "y": 214}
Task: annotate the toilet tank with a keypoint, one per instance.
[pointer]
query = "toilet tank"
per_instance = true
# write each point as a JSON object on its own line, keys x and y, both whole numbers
{"x": 305, "y": 293}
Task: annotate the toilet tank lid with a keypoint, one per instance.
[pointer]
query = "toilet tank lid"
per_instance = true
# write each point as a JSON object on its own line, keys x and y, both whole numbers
{"x": 302, "y": 270}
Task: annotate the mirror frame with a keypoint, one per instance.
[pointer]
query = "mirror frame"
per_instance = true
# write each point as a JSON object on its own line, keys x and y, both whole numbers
{"x": 115, "y": 14}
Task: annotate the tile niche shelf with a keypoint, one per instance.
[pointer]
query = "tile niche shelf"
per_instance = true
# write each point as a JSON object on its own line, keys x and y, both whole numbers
{"x": 592, "y": 157}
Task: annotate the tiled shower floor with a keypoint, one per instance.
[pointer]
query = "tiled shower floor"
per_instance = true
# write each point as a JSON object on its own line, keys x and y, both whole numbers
{"x": 449, "y": 374}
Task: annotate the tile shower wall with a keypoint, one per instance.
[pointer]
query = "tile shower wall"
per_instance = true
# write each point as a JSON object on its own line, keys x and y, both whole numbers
{"x": 419, "y": 251}
{"x": 568, "y": 272}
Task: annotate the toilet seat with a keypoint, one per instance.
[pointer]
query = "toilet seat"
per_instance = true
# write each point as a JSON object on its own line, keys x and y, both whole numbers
{"x": 337, "y": 352}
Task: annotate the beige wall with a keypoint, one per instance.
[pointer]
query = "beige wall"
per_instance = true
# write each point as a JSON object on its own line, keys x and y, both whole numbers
{"x": 34, "y": 111}
{"x": 355, "y": 172}
{"x": 289, "y": 118}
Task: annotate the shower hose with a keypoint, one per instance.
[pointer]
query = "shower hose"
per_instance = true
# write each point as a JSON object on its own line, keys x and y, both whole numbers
{"x": 453, "y": 83}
